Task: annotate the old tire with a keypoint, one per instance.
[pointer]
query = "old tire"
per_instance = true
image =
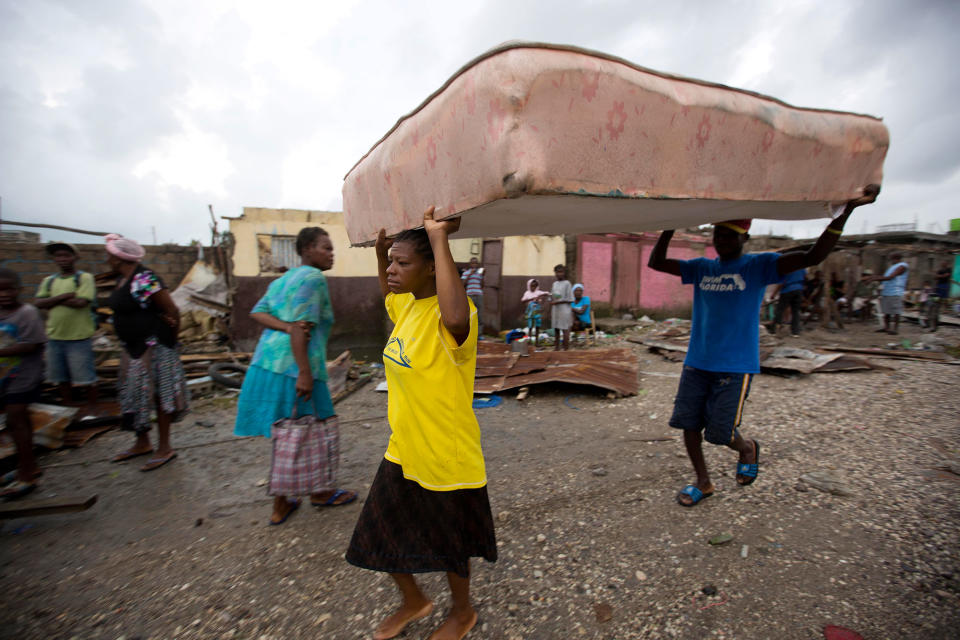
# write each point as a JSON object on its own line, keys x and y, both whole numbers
{"x": 225, "y": 373}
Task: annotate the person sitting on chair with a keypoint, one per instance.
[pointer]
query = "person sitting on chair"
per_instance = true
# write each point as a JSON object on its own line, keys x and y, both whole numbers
{"x": 581, "y": 310}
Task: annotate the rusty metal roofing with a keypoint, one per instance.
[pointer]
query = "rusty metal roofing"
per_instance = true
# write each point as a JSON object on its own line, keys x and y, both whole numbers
{"x": 612, "y": 369}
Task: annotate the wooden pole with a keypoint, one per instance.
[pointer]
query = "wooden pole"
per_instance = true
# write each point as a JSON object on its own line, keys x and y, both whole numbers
{"x": 55, "y": 226}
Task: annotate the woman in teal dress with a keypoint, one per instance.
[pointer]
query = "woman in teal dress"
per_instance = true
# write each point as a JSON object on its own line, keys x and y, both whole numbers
{"x": 289, "y": 364}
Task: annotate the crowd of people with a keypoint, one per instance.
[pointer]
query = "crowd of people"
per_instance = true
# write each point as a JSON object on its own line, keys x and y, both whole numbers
{"x": 803, "y": 298}
{"x": 146, "y": 322}
{"x": 427, "y": 509}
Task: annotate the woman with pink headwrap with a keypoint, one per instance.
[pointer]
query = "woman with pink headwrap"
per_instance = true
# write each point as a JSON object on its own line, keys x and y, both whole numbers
{"x": 147, "y": 322}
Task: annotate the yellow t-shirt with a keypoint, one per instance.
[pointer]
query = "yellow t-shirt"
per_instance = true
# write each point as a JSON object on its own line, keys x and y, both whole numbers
{"x": 435, "y": 436}
{"x": 69, "y": 323}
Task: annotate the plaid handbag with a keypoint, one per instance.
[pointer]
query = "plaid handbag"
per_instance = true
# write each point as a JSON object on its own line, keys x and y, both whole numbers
{"x": 306, "y": 452}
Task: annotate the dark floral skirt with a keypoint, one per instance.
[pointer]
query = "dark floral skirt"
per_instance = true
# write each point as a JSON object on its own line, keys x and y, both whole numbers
{"x": 404, "y": 528}
{"x": 154, "y": 381}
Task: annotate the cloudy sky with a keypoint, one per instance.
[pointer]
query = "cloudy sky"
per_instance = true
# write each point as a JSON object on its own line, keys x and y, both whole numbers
{"x": 132, "y": 115}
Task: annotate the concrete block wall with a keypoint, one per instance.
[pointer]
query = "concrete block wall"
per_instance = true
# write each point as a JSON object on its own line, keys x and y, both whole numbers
{"x": 33, "y": 264}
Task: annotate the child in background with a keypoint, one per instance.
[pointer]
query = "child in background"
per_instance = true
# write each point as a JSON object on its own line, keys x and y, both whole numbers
{"x": 22, "y": 341}
{"x": 533, "y": 313}
{"x": 560, "y": 312}
{"x": 472, "y": 279}
{"x": 427, "y": 509}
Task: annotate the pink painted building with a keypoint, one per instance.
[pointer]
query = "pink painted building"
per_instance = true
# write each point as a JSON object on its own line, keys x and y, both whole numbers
{"x": 613, "y": 270}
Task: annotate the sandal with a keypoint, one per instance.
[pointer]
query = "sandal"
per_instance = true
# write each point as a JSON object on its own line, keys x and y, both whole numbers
{"x": 294, "y": 505}
{"x": 17, "y": 489}
{"x": 11, "y": 476}
{"x": 156, "y": 463}
{"x": 749, "y": 471}
{"x": 332, "y": 500}
{"x": 126, "y": 455}
{"x": 695, "y": 494}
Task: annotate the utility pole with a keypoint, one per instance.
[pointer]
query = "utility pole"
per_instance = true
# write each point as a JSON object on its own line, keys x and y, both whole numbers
{"x": 213, "y": 227}
{"x": 153, "y": 229}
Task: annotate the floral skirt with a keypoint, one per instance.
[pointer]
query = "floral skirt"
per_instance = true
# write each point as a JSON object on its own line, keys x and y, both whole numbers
{"x": 155, "y": 380}
{"x": 404, "y": 528}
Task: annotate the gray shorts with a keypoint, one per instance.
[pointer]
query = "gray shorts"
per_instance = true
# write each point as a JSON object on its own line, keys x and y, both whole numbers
{"x": 891, "y": 305}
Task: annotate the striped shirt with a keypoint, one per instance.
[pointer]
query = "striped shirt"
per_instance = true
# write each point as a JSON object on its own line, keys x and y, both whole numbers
{"x": 473, "y": 279}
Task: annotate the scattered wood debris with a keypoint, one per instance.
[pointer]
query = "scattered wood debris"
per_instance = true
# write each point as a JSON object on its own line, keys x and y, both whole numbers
{"x": 779, "y": 359}
{"x": 805, "y": 361}
{"x": 194, "y": 364}
{"x": 900, "y": 354}
{"x": 46, "y": 507}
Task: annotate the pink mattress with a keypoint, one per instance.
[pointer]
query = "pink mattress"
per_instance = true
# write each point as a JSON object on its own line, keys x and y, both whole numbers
{"x": 544, "y": 139}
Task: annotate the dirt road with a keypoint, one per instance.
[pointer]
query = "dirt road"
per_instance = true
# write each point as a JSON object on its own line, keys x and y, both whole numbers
{"x": 592, "y": 544}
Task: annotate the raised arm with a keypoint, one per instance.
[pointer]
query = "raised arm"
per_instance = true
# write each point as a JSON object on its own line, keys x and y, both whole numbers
{"x": 790, "y": 262}
{"x": 658, "y": 257}
{"x": 451, "y": 296}
{"x": 383, "y": 260}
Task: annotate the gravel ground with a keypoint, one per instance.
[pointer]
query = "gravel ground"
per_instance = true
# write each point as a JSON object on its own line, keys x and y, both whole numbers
{"x": 592, "y": 544}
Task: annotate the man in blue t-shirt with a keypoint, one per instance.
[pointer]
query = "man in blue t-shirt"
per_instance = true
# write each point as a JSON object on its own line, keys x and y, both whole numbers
{"x": 790, "y": 294}
{"x": 724, "y": 351}
{"x": 941, "y": 292}
{"x": 894, "y": 281}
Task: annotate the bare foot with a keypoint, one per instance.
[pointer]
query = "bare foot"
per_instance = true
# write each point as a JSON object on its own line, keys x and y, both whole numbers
{"x": 456, "y": 626}
{"x": 398, "y": 621}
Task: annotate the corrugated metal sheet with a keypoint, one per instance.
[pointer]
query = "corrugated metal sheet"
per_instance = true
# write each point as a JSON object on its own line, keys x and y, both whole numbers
{"x": 495, "y": 365}
{"x": 612, "y": 369}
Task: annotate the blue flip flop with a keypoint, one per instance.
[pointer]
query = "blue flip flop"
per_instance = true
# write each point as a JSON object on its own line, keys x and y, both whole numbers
{"x": 749, "y": 471}
{"x": 294, "y": 505}
{"x": 695, "y": 494}
{"x": 332, "y": 500}
{"x": 17, "y": 489}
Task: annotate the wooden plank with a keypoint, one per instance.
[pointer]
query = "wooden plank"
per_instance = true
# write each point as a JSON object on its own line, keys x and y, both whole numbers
{"x": 893, "y": 353}
{"x": 190, "y": 357}
{"x": 80, "y": 437}
{"x": 46, "y": 507}
{"x": 352, "y": 385}
{"x": 660, "y": 344}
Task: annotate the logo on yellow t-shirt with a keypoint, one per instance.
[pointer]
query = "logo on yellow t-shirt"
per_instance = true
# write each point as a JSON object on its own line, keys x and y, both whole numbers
{"x": 394, "y": 351}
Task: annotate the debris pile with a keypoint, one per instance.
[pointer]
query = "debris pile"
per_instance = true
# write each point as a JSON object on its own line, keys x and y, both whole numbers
{"x": 671, "y": 343}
